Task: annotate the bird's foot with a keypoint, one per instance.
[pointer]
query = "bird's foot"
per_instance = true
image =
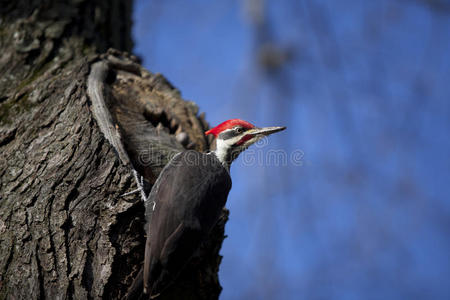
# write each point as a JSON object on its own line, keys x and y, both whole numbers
{"x": 140, "y": 186}
{"x": 129, "y": 193}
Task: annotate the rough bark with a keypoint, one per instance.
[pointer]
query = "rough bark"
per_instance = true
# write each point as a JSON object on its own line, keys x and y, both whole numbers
{"x": 65, "y": 230}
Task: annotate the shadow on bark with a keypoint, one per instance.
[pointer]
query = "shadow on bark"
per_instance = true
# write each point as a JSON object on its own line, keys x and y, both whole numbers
{"x": 73, "y": 126}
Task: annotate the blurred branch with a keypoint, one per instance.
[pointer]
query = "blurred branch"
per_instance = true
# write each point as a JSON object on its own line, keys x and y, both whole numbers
{"x": 440, "y": 6}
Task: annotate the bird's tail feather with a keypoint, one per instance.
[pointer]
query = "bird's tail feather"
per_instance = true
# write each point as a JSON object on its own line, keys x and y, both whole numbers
{"x": 135, "y": 292}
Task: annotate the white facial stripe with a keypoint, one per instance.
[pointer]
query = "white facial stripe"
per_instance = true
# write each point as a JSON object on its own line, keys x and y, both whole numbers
{"x": 230, "y": 133}
{"x": 223, "y": 146}
{"x": 227, "y": 150}
{"x": 222, "y": 149}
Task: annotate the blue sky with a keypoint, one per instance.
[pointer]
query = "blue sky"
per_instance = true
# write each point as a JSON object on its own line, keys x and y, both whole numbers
{"x": 365, "y": 94}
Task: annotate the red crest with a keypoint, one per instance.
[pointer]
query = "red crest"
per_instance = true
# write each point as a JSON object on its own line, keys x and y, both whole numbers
{"x": 227, "y": 125}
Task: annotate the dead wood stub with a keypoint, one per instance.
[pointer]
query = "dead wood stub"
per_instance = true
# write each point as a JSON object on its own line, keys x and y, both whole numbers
{"x": 142, "y": 115}
{"x": 65, "y": 230}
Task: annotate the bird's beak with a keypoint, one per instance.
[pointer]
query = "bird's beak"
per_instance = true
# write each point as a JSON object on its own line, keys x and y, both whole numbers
{"x": 265, "y": 130}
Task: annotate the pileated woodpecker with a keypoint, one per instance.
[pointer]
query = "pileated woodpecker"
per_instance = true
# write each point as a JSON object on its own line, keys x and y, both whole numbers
{"x": 186, "y": 202}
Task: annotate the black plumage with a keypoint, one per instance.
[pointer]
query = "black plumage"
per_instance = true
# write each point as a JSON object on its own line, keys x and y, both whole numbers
{"x": 186, "y": 202}
{"x": 184, "y": 205}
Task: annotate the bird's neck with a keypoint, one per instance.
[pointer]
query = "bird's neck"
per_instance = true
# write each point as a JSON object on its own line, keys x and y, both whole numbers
{"x": 223, "y": 153}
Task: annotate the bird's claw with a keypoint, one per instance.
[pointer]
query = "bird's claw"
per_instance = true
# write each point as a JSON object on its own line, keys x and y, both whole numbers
{"x": 140, "y": 184}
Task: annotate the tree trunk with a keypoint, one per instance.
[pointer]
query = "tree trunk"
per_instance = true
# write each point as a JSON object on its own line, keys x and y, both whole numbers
{"x": 74, "y": 125}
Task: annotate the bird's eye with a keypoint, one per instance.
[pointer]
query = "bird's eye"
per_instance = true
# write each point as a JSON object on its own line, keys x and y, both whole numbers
{"x": 238, "y": 130}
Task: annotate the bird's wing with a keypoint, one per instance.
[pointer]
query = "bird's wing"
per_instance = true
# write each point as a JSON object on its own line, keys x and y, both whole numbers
{"x": 189, "y": 195}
